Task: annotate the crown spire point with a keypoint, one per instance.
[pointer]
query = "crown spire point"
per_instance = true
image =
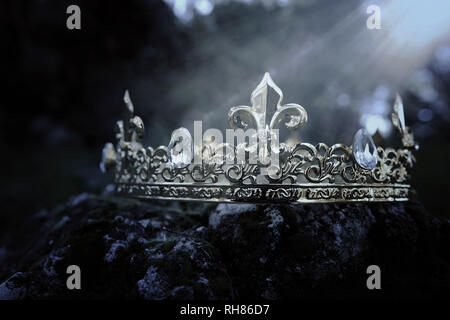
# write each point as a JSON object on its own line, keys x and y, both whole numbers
{"x": 128, "y": 103}
{"x": 261, "y": 101}
{"x": 267, "y": 82}
{"x": 400, "y": 114}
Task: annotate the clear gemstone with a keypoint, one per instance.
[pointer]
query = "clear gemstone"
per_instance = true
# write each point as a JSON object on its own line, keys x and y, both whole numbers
{"x": 180, "y": 148}
{"x": 364, "y": 150}
{"x": 108, "y": 157}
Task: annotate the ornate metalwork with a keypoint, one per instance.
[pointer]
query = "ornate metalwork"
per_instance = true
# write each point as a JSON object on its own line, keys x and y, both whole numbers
{"x": 255, "y": 116}
{"x": 306, "y": 173}
{"x": 398, "y": 119}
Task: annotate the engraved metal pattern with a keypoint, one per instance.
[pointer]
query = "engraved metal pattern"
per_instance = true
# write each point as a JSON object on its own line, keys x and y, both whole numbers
{"x": 306, "y": 174}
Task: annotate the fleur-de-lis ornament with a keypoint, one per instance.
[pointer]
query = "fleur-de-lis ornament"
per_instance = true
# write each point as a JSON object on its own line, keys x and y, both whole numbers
{"x": 128, "y": 134}
{"x": 257, "y": 114}
{"x": 263, "y": 107}
{"x": 133, "y": 127}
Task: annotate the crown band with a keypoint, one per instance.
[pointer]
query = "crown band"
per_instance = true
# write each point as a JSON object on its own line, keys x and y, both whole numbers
{"x": 304, "y": 174}
{"x": 318, "y": 193}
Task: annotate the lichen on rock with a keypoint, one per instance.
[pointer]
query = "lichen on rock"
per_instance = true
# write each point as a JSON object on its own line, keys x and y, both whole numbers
{"x": 176, "y": 250}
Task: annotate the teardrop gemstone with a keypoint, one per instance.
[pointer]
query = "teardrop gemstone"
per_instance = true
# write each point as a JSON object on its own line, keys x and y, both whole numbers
{"x": 180, "y": 148}
{"x": 109, "y": 157}
{"x": 364, "y": 150}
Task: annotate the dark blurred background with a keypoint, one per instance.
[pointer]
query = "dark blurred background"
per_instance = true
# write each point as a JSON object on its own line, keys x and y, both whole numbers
{"x": 186, "y": 60}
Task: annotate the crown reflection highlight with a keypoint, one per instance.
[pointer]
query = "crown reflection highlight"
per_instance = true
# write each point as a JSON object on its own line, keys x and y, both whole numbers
{"x": 305, "y": 173}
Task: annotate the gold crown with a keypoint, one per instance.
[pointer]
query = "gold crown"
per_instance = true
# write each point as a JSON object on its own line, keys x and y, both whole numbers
{"x": 303, "y": 173}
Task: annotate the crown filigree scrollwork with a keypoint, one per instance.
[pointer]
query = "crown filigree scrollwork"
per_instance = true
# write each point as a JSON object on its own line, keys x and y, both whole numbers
{"x": 305, "y": 173}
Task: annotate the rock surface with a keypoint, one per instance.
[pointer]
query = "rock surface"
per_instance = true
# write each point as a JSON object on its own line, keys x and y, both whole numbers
{"x": 173, "y": 250}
